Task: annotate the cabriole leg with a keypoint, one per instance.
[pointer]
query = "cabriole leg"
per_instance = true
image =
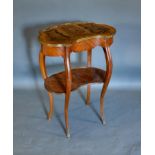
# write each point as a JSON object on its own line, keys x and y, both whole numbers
{"x": 68, "y": 89}
{"x": 106, "y": 81}
{"x": 44, "y": 75}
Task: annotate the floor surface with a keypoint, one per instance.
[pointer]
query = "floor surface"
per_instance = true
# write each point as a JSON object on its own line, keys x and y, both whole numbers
{"x": 35, "y": 135}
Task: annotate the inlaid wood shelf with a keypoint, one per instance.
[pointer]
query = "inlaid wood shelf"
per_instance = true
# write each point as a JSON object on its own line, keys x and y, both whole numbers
{"x": 60, "y": 41}
{"x": 80, "y": 76}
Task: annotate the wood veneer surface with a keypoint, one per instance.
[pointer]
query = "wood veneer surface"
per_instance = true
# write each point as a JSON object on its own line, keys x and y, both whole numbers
{"x": 69, "y": 33}
{"x": 80, "y": 76}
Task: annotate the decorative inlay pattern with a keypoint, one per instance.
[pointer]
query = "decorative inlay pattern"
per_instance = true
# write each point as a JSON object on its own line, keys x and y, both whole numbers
{"x": 70, "y": 33}
{"x": 80, "y": 76}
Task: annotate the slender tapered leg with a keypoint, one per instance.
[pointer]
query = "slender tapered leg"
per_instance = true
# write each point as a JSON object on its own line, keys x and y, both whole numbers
{"x": 106, "y": 81}
{"x": 68, "y": 88}
{"x": 89, "y": 54}
{"x": 44, "y": 75}
{"x": 51, "y": 105}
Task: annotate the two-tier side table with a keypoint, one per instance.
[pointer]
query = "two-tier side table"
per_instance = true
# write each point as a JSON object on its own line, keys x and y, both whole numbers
{"x": 61, "y": 40}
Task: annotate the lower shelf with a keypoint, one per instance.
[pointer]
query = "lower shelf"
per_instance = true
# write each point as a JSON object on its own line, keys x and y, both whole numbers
{"x": 80, "y": 76}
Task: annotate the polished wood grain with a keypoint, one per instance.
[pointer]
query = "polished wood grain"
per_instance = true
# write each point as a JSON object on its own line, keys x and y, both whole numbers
{"x": 68, "y": 87}
{"x": 62, "y": 40}
{"x": 80, "y": 76}
{"x": 91, "y": 43}
{"x": 53, "y": 51}
{"x": 89, "y": 55}
{"x": 69, "y": 33}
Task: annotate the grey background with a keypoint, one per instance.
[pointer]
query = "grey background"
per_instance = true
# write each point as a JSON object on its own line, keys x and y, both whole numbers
{"x": 33, "y": 134}
{"x": 30, "y": 16}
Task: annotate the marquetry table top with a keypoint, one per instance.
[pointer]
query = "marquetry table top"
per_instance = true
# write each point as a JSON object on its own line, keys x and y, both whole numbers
{"x": 69, "y": 33}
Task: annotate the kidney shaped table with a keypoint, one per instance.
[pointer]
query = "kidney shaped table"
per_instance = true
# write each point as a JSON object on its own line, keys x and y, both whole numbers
{"x": 61, "y": 40}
